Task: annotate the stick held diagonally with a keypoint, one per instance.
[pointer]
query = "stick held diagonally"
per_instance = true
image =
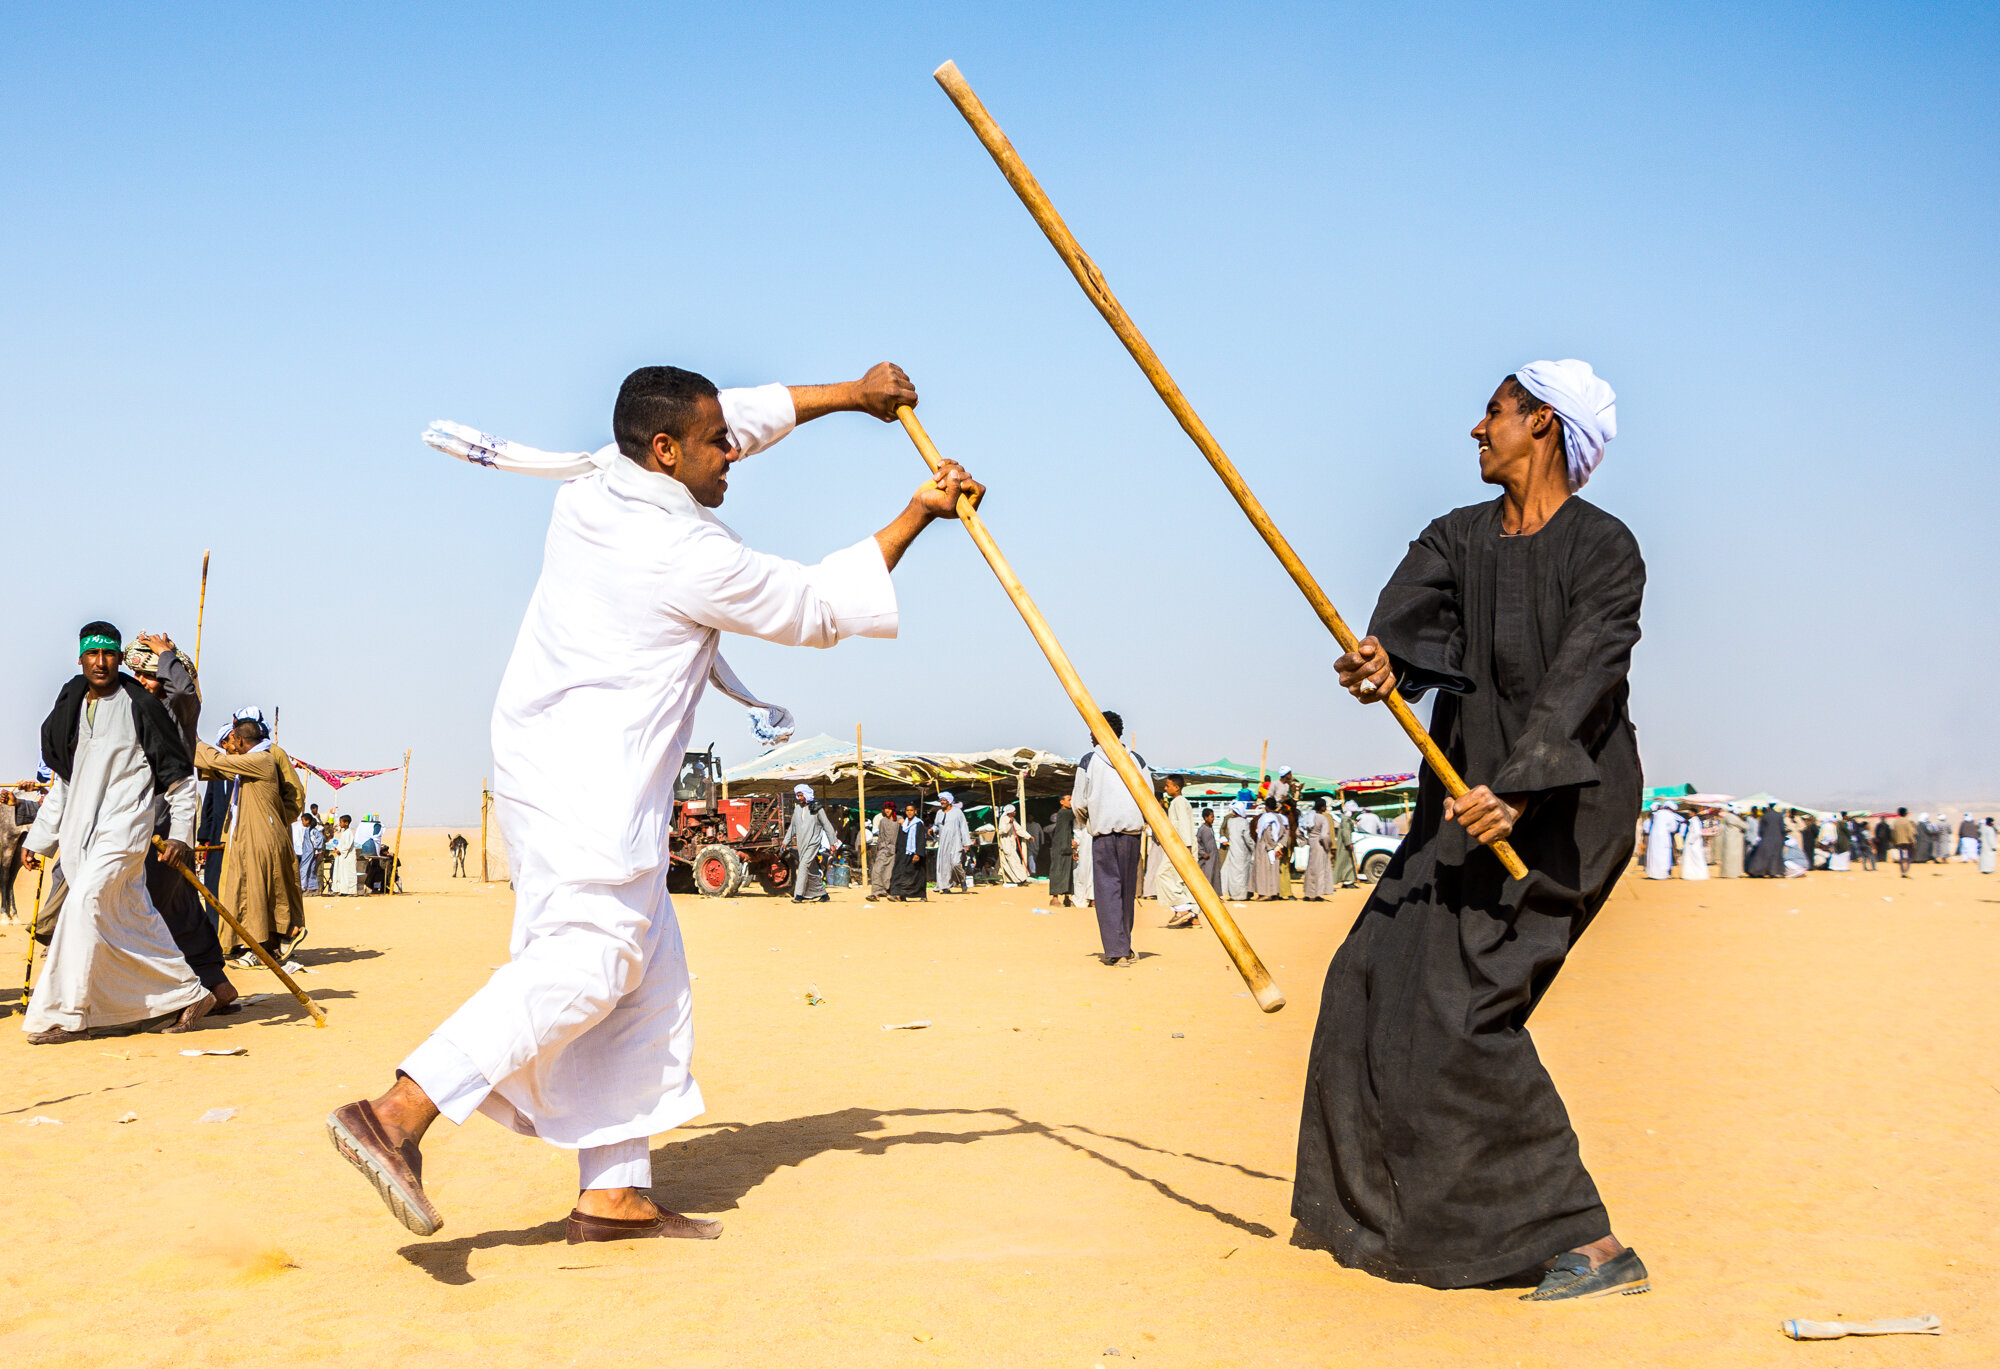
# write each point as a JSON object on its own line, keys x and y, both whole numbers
{"x": 1092, "y": 280}
{"x": 318, "y": 1016}
{"x": 1267, "y": 995}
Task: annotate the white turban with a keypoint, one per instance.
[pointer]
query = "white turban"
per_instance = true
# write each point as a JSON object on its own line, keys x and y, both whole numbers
{"x": 1586, "y": 405}
{"x": 944, "y": 796}
{"x": 802, "y": 791}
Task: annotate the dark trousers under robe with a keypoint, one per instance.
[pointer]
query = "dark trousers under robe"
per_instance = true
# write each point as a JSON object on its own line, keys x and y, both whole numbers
{"x": 1114, "y": 864}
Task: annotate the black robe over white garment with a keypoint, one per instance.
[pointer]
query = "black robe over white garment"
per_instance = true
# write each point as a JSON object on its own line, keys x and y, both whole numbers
{"x": 1433, "y": 1147}
{"x": 1062, "y": 861}
{"x": 1767, "y": 858}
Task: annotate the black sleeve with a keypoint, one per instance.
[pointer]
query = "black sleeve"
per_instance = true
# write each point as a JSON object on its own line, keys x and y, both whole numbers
{"x": 1600, "y": 628}
{"x": 1417, "y": 618}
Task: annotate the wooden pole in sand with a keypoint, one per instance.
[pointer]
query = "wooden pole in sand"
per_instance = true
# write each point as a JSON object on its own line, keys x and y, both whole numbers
{"x": 1264, "y": 764}
{"x": 396, "y": 852}
{"x": 484, "y": 797}
{"x": 1092, "y": 280}
{"x": 318, "y": 1017}
{"x": 201, "y": 612}
{"x": 1267, "y": 995}
{"x": 861, "y": 810}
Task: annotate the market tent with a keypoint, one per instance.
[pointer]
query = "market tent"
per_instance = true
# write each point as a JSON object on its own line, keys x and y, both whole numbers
{"x": 830, "y": 761}
{"x": 1668, "y": 792}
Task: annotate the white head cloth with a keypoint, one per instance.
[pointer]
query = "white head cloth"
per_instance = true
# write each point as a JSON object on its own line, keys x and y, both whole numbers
{"x": 773, "y": 723}
{"x": 944, "y": 796}
{"x": 802, "y": 791}
{"x": 1586, "y": 405}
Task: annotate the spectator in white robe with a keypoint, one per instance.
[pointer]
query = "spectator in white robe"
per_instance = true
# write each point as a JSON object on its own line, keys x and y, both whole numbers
{"x": 1237, "y": 835}
{"x": 1084, "y": 884}
{"x": 117, "y": 758}
{"x": 1694, "y": 849}
{"x": 584, "y": 1037}
{"x": 345, "y": 845}
{"x": 1661, "y": 825}
{"x": 1989, "y": 847}
{"x": 954, "y": 839}
{"x": 1171, "y": 889}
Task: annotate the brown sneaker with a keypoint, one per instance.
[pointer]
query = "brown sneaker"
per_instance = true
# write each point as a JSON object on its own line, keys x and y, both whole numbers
{"x": 666, "y": 1225}
{"x": 395, "y": 1171}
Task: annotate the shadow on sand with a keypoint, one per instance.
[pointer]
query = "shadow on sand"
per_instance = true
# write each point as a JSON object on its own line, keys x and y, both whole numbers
{"x": 712, "y": 1173}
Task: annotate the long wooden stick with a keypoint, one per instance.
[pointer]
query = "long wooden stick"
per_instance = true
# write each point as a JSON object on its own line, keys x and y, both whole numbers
{"x": 34, "y": 922}
{"x": 396, "y": 851}
{"x": 201, "y": 612}
{"x": 484, "y": 798}
{"x": 1266, "y": 994}
{"x": 1092, "y": 280}
{"x": 318, "y": 1017}
{"x": 861, "y": 806}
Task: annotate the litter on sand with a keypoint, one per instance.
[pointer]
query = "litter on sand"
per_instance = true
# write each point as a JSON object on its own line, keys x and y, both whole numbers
{"x": 1834, "y": 1330}
{"x": 813, "y": 1000}
{"x": 128, "y": 1117}
{"x": 41, "y": 1121}
{"x": 227, "y": 1050}
{"x": 217, "y": 1115}
{"x": 906, "y": 1026}
{"x": 1042, "y": 912}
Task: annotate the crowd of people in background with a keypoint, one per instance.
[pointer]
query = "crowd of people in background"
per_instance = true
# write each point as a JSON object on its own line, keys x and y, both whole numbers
{"x": 1773, "y": 842}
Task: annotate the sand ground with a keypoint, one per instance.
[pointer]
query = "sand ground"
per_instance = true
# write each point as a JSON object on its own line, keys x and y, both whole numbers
{"x": 1788, "y": 1093}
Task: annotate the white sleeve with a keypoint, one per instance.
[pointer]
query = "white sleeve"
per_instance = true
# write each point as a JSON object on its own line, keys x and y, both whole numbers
{"x": 758, "y": 417}
{"x": 728, "y": 586}
{"x": 182, "y": 806}
{"x": 47, "y": 827}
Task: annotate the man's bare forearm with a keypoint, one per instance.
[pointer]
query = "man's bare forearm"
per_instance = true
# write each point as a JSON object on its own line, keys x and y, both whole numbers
{"x": 896, "y": 538}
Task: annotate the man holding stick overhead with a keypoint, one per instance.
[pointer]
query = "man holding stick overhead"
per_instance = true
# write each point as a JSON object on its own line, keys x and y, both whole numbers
{"x": 584, "y": 1038}
{"x": 1433, "y": 1147}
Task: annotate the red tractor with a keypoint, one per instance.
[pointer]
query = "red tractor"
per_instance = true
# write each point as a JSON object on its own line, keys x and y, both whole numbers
{"x": 723, "y": 841}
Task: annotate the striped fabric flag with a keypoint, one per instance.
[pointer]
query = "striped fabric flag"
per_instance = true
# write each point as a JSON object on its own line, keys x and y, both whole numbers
{"x": 335, "y": 779}
{"x": 1369, "y": 782}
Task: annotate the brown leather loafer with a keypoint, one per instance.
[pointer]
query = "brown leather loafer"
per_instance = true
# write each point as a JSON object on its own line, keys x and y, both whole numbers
{"x": 396, "y": 1172}
{"x": 190, "y": 1015}
{"x": 55, "y": 1036}
{"x": 667, "y": 1225}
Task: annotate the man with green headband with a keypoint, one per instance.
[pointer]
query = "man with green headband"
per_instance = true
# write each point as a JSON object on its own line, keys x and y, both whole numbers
{"x": 117, "y": 756}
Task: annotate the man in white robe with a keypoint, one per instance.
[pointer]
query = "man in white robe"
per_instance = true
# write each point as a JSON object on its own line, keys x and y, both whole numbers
{"x": 1694, "y": 850}
{"x": 810, "y": 834}
{"x": 1236, "y": 832}
{"x": 584, "y": 1038}
{"x": 1660, "y": 829}
{"x": 118, "y": 758}
{"x": 1173, "y": 890}
{"x": 953, "y": 838}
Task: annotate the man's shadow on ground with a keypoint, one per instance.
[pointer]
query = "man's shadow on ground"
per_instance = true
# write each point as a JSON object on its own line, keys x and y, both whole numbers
{"x": 712, "y": 1173}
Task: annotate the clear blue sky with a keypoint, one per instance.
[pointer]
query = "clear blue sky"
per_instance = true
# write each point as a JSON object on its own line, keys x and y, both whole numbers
{"x": 249, "y": 252}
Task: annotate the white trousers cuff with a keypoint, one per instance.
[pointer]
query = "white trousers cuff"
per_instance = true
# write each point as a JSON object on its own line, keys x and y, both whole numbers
{"x": 622, "y": 1164}
{"x": 452, "y": 1082}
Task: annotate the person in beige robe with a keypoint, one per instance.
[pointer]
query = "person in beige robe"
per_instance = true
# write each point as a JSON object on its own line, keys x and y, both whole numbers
{"x": 1320, "y": 840}
{"x": 1270, "y": 849}
{"x": 260, "y": 880}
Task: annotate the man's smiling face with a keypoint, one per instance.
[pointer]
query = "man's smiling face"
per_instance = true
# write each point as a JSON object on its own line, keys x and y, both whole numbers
{"x": 701, "y": 461}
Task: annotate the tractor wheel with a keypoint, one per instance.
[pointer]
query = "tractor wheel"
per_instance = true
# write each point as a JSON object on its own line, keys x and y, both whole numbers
{"x": 718, "y": 871}
{"x": 1372, "y": 868}
{"x": 775, "y": 876}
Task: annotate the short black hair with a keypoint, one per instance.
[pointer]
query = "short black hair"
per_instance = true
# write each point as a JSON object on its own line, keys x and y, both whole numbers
{"x": 100, "y": 628}
{"x": 248, "y": 727}
{"x": 1902, "y": 812}
{"x": 654, "y": 400}
{"x": 1117, "y": 723}
{"x": 1525, "y": 402}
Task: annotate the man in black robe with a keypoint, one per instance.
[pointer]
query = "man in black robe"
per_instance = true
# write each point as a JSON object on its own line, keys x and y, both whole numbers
{"x": 1767, "y": 858}
{"x": 1433, "y": 1147}
{"x": 1062, "y": 854}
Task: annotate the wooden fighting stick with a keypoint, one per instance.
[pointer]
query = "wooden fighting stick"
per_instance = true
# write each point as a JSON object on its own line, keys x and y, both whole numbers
{"x": 318, "y": 1017}
{"x": 34, "y": 922}
{"x": 201, "y": 612}
{"x": 1266, "y": 994}
{"x": 1092, "y": 280}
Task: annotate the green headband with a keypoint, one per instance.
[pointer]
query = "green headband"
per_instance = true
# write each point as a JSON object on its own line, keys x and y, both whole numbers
{"x": 97, "y": 641}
